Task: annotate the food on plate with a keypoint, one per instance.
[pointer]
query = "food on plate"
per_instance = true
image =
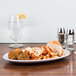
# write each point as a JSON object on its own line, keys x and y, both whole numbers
{"x": 23, "y": 56}
{"x": 53, "y": 49}
{"x": 36, "y": 53}
{"x": 14, "y": 54}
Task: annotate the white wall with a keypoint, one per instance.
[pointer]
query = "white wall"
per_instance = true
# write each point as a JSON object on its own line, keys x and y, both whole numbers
{"x": 44, "y": 17}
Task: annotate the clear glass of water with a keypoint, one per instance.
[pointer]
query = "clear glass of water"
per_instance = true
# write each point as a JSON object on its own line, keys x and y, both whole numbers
{"x": 15, "y": 31}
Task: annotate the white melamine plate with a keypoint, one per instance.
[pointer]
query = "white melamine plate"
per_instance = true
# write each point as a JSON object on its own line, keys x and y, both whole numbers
{"x": 67, "y": 53}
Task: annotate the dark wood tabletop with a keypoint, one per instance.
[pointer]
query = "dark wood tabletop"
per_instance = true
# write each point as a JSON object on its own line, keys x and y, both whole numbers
{"x": 63, "y": 67}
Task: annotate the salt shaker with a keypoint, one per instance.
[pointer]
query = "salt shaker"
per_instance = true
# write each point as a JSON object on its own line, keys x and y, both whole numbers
{"x": 70, "y": 38}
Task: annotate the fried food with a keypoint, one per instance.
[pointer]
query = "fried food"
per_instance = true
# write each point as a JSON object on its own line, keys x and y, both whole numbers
{"x": 14, "y": 54}
{"x": 23, "y": 56}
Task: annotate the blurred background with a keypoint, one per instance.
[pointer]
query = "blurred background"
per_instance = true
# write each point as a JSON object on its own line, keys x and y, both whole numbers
{"x": 43, "y": 18}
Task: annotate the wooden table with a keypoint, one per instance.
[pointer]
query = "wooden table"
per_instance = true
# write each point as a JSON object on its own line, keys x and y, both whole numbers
{"x": 63, "y": 67}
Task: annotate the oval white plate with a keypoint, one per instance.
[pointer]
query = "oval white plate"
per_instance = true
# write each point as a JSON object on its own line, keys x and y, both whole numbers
{"x": 67, "y": 53}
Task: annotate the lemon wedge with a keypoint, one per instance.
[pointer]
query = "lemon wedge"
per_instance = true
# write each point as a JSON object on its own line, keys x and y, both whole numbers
{"x": 21, "y": 16}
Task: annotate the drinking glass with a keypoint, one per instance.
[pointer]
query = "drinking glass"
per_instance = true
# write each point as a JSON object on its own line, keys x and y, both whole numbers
{"x": 15, "y": 30}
